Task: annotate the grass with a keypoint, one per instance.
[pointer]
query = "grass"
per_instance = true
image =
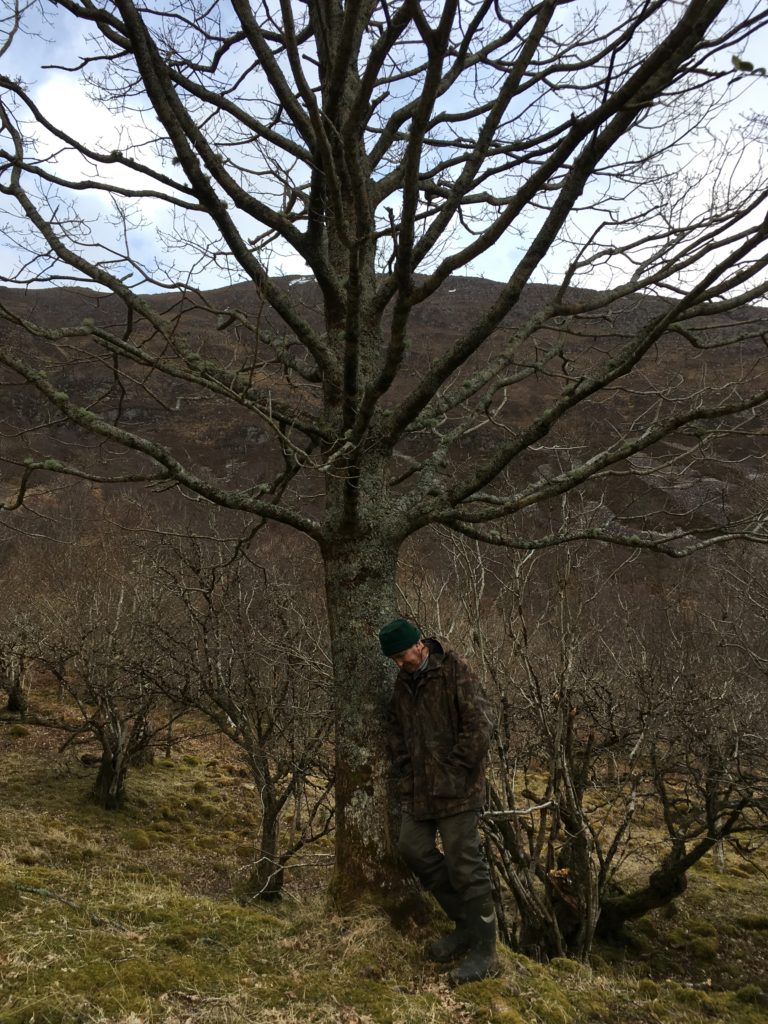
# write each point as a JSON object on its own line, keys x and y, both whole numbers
{"x": 129, "y": 918}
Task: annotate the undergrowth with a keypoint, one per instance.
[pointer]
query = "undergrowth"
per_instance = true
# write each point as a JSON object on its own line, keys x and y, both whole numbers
{"x": 131, "y": 918}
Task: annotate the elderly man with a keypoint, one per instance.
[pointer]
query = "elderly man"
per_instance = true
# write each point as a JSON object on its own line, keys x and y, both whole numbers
{"x": 440, "y": 726}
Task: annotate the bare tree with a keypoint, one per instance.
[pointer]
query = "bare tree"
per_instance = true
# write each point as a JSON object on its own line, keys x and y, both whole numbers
{"x": 90, "y": 639}
{"x": 246, "y": 647}
{"x": 388, "y": 145}
{"x": 631, "y": 737}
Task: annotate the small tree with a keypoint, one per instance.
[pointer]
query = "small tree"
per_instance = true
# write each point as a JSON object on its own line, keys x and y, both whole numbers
{"x": 89, "y": 638}
{"x": 247, "y": 647}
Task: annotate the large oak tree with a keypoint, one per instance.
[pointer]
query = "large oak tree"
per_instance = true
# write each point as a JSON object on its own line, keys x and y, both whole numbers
{"x": 389, "y": 144}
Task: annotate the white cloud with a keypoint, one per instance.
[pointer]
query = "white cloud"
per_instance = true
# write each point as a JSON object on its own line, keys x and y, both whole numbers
{"x": 65, "y": 102}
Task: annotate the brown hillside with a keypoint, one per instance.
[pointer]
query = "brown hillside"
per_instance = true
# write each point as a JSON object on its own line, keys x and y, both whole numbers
{"x": 236, "y": 448}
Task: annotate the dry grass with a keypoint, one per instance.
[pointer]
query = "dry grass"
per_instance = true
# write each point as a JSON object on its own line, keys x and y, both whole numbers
{"x": 129, "y": 918}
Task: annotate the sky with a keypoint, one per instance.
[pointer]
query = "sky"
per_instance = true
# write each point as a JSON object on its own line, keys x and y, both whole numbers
{"x": 59, "y": 40}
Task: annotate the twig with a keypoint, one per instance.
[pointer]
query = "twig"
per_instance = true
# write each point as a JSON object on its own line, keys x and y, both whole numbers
{"x": 505, "y": 815}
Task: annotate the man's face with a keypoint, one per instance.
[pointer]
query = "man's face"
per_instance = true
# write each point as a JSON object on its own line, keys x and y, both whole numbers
{"x": 412, "y": 657}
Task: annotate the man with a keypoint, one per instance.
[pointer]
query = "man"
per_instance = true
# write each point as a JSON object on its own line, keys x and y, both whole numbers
{"x": 440, "y": 726}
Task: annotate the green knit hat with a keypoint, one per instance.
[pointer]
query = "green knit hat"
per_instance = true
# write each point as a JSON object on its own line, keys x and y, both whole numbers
{"x": 398, "y": 636}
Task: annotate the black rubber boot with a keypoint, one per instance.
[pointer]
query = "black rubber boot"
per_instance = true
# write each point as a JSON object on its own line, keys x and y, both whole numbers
{"x": 443, "y": 950}
{"x": 481, "y": 961}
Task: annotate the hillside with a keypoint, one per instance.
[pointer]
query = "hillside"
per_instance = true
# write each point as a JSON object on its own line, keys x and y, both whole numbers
{"x": 128, "y": 918}
{"x": 233, "y": 447}
{"x": 131, "y": 916}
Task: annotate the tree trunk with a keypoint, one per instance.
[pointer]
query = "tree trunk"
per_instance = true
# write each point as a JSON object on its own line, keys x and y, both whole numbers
{"x": 17, "y": 699}
{"x": 360, "y": 586}
{"x": 109, "y": 788}
{"x": 16, "y": 685}
{"x": 670, "y": 879}
{"x": 718, "y": 855}
{"x": 663, "y": 887}
{"x": 266, "y": 879}
{"x": 141, "y": 752}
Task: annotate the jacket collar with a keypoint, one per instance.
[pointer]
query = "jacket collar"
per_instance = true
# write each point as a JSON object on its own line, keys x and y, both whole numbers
{"x": 436, "y": 659}
{"x": 436, "y": 655}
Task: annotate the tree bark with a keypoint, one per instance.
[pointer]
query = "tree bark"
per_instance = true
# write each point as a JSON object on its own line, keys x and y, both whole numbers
{"x": 266, "y": 879}
{"x": 360, "y": 586}
{"x": 109, "y": 787}
{"x": 17, "y": 699}
{"x": 141, "y": 753}
{"x": 664, "y": 886}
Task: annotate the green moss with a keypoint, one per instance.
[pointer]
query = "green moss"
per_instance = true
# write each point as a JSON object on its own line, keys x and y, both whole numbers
{"x": 172, "y": 956}
{"x": 551, "y": 1012}
{"x": 744, "y": 869}
{"x": 647, "y": 988}
{"x": 749, "y": 994}
{"x": 162, "y": 826}
{"x": 128, "y": 981}
{"x": 694, "y": 998}
{"x": 593, "y": 1008}
{"x": 18, "y": 731}
{"x": 84, "y": 855}
{"x": 494, "y": 1002}
{"x": 565, "y": 966}
{"x": 704, "y": 947}
{"x": 646, "y": 926}
{"x": 702, "y": 928}
{"x": 138, "y": 839}
{"x": 638, "y": 943}
{"x": 201, "y": 807}
{"x": 51, "y": 1010}
{"x": 182, "y": 938}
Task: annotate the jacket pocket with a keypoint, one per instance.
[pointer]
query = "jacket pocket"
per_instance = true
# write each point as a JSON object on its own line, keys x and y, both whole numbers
{"x": 448, "y": 781}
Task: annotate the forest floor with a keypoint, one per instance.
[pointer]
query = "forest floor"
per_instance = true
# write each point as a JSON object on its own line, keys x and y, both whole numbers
{"x": 130, "y": 917}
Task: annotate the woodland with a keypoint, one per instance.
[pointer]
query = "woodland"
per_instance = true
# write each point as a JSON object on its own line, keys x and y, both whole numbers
{"x": 169, "y": 813}
{"x": 220, "y": 477}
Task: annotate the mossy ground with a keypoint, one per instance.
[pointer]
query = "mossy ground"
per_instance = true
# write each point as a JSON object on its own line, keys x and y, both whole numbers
{"x": 128, "y": 918}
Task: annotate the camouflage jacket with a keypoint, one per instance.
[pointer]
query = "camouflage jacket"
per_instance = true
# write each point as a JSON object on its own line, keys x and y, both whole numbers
{"x": 439, "y": 728}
